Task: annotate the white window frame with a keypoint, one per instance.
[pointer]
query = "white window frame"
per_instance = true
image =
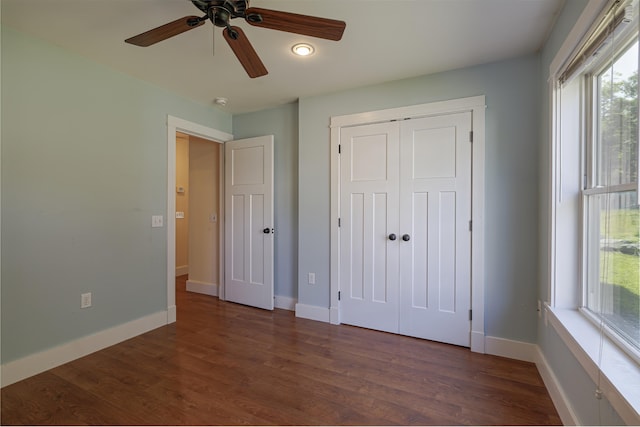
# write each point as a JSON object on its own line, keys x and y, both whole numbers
{"x": 618, "y": 373}
{"x": 591, "y": 187}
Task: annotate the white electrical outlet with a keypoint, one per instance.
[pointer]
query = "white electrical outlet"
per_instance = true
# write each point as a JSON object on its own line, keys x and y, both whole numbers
{"x": 85, "y": 300}
{"x": 312, "y": 278}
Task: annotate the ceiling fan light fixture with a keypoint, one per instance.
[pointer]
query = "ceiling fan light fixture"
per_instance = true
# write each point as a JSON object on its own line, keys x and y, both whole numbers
{"x": 303, "y": 49}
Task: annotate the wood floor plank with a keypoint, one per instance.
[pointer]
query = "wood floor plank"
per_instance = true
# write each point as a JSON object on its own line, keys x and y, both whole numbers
{"x": 226, "y": 364}
{"x": 45, "y": 399}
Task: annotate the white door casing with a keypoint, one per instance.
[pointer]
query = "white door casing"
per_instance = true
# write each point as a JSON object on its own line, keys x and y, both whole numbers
{"x": 414, "y": 250}
{"x": 249, "y": 222}
{"x": 175, "y": 124}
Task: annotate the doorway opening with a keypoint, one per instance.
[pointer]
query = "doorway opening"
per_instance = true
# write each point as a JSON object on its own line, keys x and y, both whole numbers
{"x": 175, "y": 127}
{"x": 198, "y": 188}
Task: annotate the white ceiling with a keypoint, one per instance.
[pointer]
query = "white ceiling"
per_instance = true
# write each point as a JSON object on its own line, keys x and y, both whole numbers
{"x": 385, "y": 40}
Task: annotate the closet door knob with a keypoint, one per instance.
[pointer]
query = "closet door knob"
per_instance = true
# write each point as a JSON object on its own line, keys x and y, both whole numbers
{"x": 406, "y": 237}
{"x": 392, "y": 236}
{"x": 266, "y": 230}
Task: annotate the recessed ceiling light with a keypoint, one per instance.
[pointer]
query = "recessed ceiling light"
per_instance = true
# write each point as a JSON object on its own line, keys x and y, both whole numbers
{"x": 303, "y": 49}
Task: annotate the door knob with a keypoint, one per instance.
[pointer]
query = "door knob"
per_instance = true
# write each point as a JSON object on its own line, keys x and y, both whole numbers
{"x": 392, "y": 236}
{"x": 406, "y": 237}
{"x": 266, "y": 230}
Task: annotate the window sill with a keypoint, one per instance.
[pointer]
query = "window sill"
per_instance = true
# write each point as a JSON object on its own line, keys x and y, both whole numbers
{"x": 620, "y": 380}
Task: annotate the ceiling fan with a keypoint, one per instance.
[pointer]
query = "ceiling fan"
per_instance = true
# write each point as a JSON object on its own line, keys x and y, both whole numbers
{"x": 221, "y": 12}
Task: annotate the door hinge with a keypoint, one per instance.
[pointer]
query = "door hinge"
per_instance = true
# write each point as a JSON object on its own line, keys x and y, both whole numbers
{"x": 339, "y": 148}
{"x": 470, "y": 225}
{"x": 339, "y": 295}
{"x": 470, "y": 315}
{"x": 339, "y": 222}
{"x": 470, "y": 136}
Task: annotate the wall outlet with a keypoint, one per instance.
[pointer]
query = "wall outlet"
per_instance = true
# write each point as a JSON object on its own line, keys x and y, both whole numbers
{"x": 85, "y": 300}
{"x": 312, "y": 278}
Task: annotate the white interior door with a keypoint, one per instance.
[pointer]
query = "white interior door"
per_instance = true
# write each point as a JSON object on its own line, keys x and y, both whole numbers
{"x": 435, "y": 210}
{"x": 249, "y": 221}
{"x": 405, "y": 244}
{"x": 369, "y": 201}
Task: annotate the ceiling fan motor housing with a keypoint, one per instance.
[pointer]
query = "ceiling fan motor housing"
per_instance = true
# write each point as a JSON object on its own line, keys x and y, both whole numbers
{"x": 221, "y": 11}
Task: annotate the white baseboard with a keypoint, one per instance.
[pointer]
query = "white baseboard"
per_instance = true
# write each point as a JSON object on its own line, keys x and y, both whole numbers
{"x": 182, "y": 270}
{"x": 28, "y": 366}
{"x": 512, "y": 349}
{"x": 202, "y": 287}
{"x": 556, "y": 392}
{"x": 313, "y": 312}
{"x": 285, "y": 303}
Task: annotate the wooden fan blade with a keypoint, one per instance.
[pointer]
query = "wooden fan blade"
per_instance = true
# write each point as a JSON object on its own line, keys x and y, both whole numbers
{"x": 245, "y": 52}
{"x": 313, "y": 26}
{"x": 165, "y": 31}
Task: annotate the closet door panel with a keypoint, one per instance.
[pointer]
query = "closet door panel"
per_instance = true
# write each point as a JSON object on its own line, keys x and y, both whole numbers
{"x": 369, "y": 214}
{"x": 435, "y": 209}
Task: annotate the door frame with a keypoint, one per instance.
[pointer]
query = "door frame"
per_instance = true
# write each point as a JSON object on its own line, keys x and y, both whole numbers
{"x": 175, "y": 124}
{"x": 475, "y": 105}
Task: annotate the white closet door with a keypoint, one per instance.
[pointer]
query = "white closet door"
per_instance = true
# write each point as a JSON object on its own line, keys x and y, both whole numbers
{"x": 405, "y": 243}
{"x": 369, "y": 214}
{"x": 249, "y": 221}
{"x": 435, "y": 210}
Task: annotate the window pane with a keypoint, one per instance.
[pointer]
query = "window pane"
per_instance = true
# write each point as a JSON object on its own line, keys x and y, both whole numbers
{"x": 613, "y": 265}
{"x": 617, "y": 125}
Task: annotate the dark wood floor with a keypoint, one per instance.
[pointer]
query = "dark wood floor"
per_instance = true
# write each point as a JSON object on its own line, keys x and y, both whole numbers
{"x": 223, "y": 363}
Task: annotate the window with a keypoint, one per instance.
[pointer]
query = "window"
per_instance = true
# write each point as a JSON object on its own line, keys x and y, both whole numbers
{"x": 598, "y": 196}
{"x": 610, "y": 196}
{"x": 594, "y": 217}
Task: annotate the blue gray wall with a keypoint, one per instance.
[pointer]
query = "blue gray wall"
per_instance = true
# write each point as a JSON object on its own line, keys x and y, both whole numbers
{"x": 84, "y": 167}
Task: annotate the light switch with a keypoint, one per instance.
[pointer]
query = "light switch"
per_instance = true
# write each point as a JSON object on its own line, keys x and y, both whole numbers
{"x": 180, "y": 215}
{"x": 156, "y": 221}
